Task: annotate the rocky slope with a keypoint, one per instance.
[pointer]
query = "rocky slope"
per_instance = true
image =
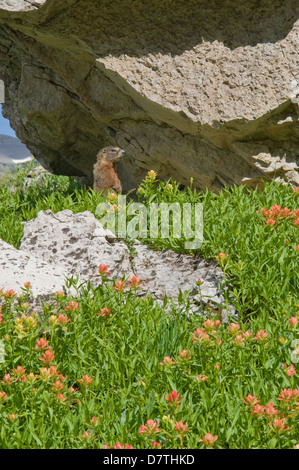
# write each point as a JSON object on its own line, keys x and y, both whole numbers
{"x": 206, "y": 89}
{"x": 12, "y": 149}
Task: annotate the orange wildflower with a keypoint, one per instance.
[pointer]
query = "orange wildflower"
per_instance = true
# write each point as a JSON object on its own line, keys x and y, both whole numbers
{"x": 86, "y": 380}
{"x": 119, "y": 286}
{"x": 208, "y": 440}
{"x": 279, "y": 425}
{"x": 174, "y": 399}
{"x": 47, "y": 357}
{"x": 150, "y": 428}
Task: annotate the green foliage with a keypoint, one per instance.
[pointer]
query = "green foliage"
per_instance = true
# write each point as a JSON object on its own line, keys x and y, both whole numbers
{"x": 119, "y": 367}
{"x": 262, "y": 260}
{"x": 19, "y": 204}
{"x": 120, "y": 363}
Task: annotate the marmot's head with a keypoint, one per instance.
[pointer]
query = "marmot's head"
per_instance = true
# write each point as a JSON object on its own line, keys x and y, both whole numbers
{"x": 110, "y": 154}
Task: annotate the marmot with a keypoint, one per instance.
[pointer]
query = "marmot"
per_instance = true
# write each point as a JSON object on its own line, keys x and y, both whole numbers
{"x": 105, "y": 172}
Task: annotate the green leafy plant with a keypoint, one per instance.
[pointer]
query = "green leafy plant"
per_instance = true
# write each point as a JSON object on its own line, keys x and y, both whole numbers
{"x": 108, "y": 368}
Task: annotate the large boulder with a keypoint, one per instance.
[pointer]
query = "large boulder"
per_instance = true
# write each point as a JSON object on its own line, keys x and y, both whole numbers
{"x": 63, "y": 245}
{"x": 203, "y": 89}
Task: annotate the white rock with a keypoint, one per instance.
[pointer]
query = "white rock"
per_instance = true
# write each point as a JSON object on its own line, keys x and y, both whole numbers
{"x": 56, "y": 246}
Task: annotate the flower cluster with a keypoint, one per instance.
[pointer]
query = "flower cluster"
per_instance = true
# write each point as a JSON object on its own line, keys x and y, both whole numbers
{"x": 221, "y": 257}
{"x": 274, "y": 215}
{"x": 276, "y": 419}
{"x": 148, "y": 183}
{"x": 174, "y": 399}
{"x": 209, "y": 440}
{"x": 294, "y": 321}
{"x": 49, "y": 374}
{"x": 183, "y": 357}
{"x": 208, "y": 335}
{"x": 132, "y": 283}
{"x": 151, "y": 175}
{"x": 118, "y": 445}
{"x": 119, "y": 285}
{"x": 103, "y": 271}
{"x": 289, "y": 370}
{"x": 72, "y": 307}
{"x": 151, "y": 429}
{"x": 105, "y": 313}
{"x": 86, "y": 380}
{"x": 26, "y": 324}
{"x": 8, "y": 295}
{"x": 60, "y": 320}
{"x": 242, "y": 336}
{"x": 47, "y": 357}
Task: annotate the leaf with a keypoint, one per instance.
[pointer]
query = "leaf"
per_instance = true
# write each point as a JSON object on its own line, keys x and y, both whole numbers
{"x": 36, "y": 439}
{"x": 50, "y": 413}
{"x": 171, "y": 383}
{"x": 31, "y": 428}
{"x": 229, "y": 433}
{"x": 272, "y": 443}
{"x": 236, "y": 417}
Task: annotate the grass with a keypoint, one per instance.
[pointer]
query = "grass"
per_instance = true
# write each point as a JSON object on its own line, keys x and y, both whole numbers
{"x": 107, "y": 373}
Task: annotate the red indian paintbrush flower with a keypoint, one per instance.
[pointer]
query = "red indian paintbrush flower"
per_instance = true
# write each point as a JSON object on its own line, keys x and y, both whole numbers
{"x": 103, "y": 271}
{"x": 134, "y": 282}
{"x": 19, "y": 372}
{"x": 72, "y": 307}
{"x": 270, "y": 410}
{"x": 57, "y": 386}
{"x": 105, "y": 313}
{"x": 185, "y": 355}
{"x": 9, "y": 294}
{"x": 150, "y": 428}
{"x": 251, "y": 400}
{"x": 120, "y": 445}
{"x": 258, "y": 410}
{"x": 168, "y": 362}
{"x": 293, "y": 321}
{"x": 181, "y": 429}
{"x": 174, "y": 399}
{"x": 119, "y": 286}
{"x": 7, "y": 379}
{"x": 42, "y": 343}
{"x": 279, "y": 425}
{"x": 62, "y": 319}
{"x": 12, "y": 417}
{"x": 261, "y": 335}
{"x": 221, "y": 257}
{"x": 290, "y": 370}
{"x": 47, "y": 357}
{"x": 94, "y": 420}
{"x": 201, "y": 378}
{"x": 86, "y": 380}
{"x": 208, "y": 439}
{"x": 3, "y": 396}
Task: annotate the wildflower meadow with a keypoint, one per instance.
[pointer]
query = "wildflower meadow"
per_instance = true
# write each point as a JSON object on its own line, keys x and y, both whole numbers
{"x": 107, "y": 368}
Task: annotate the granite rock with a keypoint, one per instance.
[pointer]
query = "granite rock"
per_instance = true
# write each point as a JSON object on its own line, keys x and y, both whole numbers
{"x": 201, "y": 89}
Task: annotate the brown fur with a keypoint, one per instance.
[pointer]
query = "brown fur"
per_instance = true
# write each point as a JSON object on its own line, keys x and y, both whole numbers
{"x": 105, "y": 176}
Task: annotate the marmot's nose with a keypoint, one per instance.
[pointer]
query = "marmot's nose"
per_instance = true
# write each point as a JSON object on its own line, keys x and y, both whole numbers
{"x": 121, "y": 153}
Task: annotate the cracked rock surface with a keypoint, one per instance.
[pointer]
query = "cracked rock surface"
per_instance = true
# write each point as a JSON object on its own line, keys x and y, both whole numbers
{"x": 56, "y": 246}
{"x": 198, "y": 88}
